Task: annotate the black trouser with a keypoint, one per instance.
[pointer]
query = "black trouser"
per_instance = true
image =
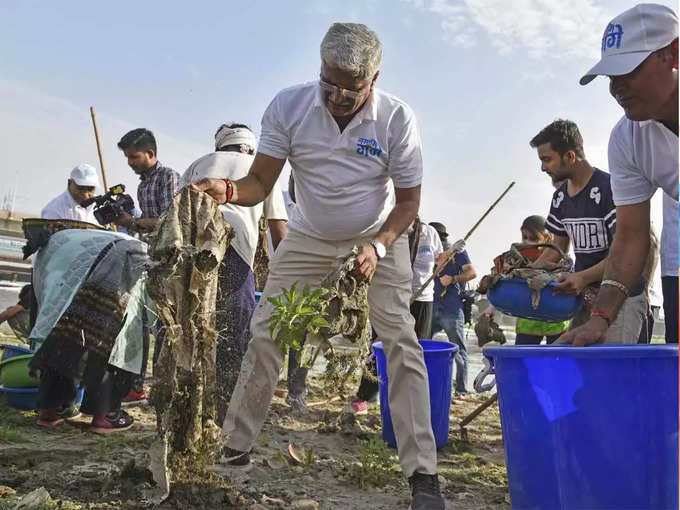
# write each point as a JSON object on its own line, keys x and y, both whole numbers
{"x": 138, "y": 380}
{"x": 368, "y": 387}
{"x": 105, "y": 387}
{"x": 647, "y": 327}
{"x": 422, "y": 313}
{"x": 55, "y": 390}
{"x": 669, "y": 287}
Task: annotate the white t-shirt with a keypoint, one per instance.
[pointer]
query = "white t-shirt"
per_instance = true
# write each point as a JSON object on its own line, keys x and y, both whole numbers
{"x": 343, "y": 181}
{"x": 429, "y": 247}
{"x": 643, "y": 156}
{"x": 669, "y": 238}
{"x": 63, "y": 207}
{"x": 244, "y": 220}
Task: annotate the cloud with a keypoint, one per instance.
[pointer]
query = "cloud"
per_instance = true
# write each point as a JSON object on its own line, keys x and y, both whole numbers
{"x": 536, "y": 27}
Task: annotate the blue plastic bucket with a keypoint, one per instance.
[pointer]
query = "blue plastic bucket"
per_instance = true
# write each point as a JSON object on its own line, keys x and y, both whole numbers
{"x": 11, "y": 351}
{"x": 27, "y": 398}
{"x": 513, "y": 297}
{"x": 21, "y": 398}
{"x": 439, "y": 363}
{"x": 587, "y": 428}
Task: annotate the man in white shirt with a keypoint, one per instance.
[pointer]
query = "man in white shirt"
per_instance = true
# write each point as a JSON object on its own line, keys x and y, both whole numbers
{"x": 425, "y": 246}
{"x": 80, "y": 187}
{"x": 640, "y": 57}
{"x": 234, "y": 149}
{"x": 352, "y": 148}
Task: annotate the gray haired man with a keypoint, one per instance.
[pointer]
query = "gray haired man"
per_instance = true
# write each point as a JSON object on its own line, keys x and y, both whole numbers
{"x": 348, "y": 143}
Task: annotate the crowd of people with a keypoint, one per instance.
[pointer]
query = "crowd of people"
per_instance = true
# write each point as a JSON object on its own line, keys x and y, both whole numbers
{"x": 355, "y": 154}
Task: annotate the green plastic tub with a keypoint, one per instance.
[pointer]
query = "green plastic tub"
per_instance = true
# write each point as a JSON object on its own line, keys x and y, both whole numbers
{"x": 14, "y": 373}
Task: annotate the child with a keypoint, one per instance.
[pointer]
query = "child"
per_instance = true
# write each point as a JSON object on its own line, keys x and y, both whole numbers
{"x": 530, "y": 331}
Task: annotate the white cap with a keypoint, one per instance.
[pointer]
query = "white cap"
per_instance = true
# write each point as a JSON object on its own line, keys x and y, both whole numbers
{"x": 631, "y": 37}
{"x": 85, "y": 175}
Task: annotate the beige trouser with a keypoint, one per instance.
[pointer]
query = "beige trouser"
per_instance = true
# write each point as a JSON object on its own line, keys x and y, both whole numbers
{"x": 626, "y": 328}
{"x": 306, "y": 260}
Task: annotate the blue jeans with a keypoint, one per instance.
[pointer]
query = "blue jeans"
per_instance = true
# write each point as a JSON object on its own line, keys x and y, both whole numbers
{"x": 453, "y": 323}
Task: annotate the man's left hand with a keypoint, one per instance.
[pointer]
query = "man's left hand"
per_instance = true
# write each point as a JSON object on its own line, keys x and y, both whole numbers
{"x": 367, "y": 262}
{"x": 570, "y": 284}
{"x": 591, "y": 332}
{"x": 442, "y": 258}
{"x": 125, "y": 219}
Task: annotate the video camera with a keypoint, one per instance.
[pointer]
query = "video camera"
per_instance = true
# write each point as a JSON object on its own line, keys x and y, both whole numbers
{"x": 111, "y": 205}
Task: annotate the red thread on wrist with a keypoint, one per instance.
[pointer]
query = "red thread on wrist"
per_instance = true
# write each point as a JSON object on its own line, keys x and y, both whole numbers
{"x": 230, "y": 190}
{"x": 602, "y": 314}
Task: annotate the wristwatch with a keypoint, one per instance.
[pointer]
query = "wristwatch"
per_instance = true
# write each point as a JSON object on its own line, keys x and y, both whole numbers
{"x": 380, "y": 249}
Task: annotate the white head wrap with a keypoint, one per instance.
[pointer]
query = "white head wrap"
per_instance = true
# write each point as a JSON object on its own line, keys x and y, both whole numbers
{"x": 234, "y": 136}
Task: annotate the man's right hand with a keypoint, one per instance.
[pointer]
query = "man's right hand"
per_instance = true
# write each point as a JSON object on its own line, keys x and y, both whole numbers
{"x": 216, "y": 188}
{"x": 446, "y": 280}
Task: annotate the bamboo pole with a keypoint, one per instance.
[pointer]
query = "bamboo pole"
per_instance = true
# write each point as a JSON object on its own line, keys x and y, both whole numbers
{"x": 99, "y": 151}
{"x": 99, "y": 148}
{"x": 438, "y": 271}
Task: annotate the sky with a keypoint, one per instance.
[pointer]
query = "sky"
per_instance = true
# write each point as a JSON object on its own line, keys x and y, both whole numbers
{"x": 482, "y": 76}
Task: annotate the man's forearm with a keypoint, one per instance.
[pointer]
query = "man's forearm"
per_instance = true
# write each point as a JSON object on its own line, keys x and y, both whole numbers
{"x": 401, "y": 216}
{"x": 248, "y": 191}
{"x": 594, "y": 273}
{"x": 256, "y": 186}
{"x": 10, "y": 312}
{"x": 277, "y": 229}
{"x": 469, "y": 273}
{"x": 627, "y": 256}
{"x": 624, "y": 265}
{"x": 146, "y": 224}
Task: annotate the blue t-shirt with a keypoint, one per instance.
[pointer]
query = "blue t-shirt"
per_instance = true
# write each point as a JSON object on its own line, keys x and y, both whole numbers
{"x": 451, "y": 302}
{"x": 588, "y": 219}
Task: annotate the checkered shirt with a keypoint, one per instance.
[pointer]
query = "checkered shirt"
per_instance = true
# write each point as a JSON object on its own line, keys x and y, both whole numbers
{"x": 156, "y": 190}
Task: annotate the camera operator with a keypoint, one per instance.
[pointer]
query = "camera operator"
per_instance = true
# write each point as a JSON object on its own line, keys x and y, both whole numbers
{"x": 158, "y": 183}
{"x": 154, "y": 194}
{"x": 80, "y": 187}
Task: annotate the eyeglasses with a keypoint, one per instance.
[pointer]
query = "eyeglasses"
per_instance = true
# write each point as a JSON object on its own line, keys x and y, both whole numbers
{"x": 333, "y": 89}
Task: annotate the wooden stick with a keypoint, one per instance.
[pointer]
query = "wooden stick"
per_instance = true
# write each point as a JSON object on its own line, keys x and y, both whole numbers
{"x": 439, "y": 270}
{"x": 101, "y": 159}
{"x": 99, "y": 148}
{"x": 478, "y": 410}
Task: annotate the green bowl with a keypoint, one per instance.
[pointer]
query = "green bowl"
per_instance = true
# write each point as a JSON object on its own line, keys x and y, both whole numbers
{"x": 14, "y": 373}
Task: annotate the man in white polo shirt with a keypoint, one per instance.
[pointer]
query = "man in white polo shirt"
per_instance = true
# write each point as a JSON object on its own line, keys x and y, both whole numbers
{"x": 80, "y": 186}
{"x": 349, "y": 145}
{"x": 640, "y": 57}
{"x": 234, "y": 153}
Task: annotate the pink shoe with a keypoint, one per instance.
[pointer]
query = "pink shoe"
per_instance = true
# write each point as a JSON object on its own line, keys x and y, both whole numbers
{"x": 358, "y": 407}
{"x": 134, "y": 397}
{"x": 111, "y": 423}
{"x": 49, "y": 418}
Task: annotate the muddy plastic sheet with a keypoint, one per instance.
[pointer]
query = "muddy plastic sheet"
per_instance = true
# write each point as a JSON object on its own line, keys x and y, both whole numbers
{"x": 347, "y": 315}
{"x": 186, "y": 250}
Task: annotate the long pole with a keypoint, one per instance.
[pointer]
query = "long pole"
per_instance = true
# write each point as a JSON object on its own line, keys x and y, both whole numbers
{"x": 99, "y": 151}
{"x": 467, "y": 236}
{"x": 99, "y": 148}
{"x": 478, "y": 411}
